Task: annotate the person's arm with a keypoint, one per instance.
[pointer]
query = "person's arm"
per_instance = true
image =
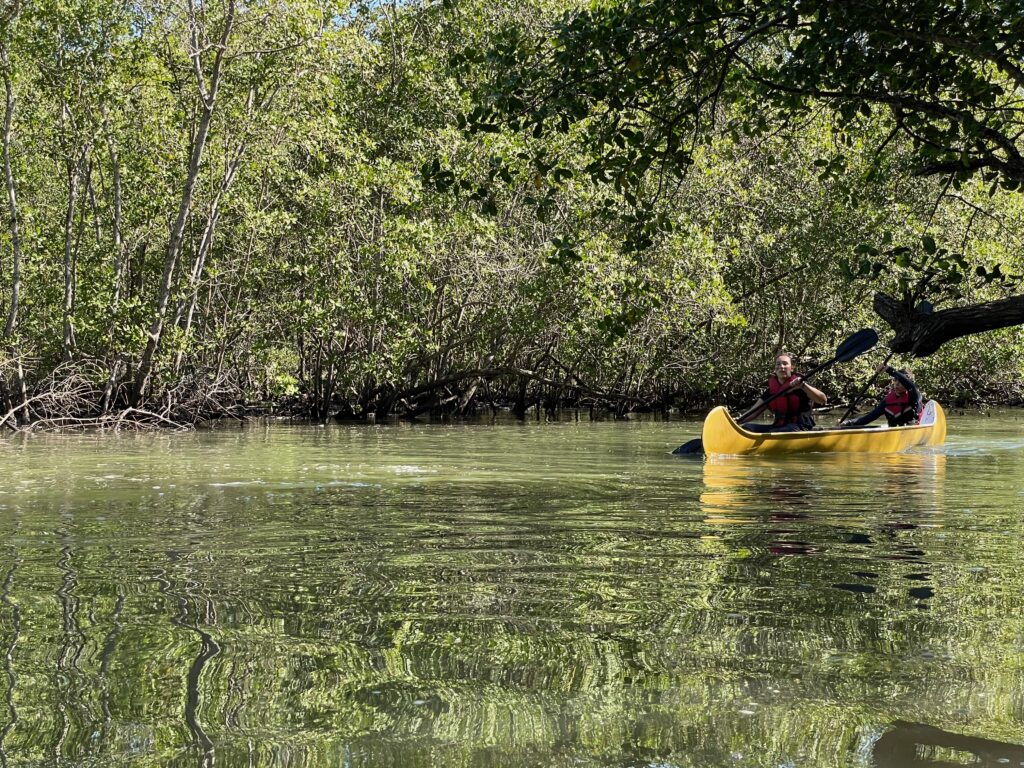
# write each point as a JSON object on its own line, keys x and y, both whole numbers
{"x": 868, "y": 417}
{"x": 760, "y": 402}
{"x": 815, "y": 395}
{"x": 909, "y": 385}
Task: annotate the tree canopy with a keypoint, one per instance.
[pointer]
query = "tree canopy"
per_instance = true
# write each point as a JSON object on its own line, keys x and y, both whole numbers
{"x": 438, "y": 208}
{"x": 646, "y": 82}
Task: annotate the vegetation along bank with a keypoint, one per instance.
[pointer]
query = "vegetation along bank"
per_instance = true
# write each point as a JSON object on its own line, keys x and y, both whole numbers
{"x": 433, "y": 208}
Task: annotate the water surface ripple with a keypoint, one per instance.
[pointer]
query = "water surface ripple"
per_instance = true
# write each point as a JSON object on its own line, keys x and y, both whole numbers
{"x": 508, "y": 595}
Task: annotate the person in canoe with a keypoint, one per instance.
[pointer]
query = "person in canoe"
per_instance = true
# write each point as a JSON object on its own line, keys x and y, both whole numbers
{"x": 792, "y": 411}
{"x": 901, "y": 405}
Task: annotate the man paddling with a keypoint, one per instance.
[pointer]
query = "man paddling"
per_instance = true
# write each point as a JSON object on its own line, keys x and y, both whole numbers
{"x": 792, "y": 410}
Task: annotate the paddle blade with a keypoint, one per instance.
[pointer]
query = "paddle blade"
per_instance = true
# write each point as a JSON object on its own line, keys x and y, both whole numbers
{"x": 693, "y": 447}
{"x": 856, "y": 345}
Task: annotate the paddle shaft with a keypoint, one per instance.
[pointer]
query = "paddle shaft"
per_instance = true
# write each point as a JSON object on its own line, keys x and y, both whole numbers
{"x": 860, "y": 395}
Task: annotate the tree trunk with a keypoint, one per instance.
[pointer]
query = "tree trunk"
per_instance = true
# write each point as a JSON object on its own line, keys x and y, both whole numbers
{"x": 16, "y": 393}
{"x": 110, "y": 388}
{"x": 922, "y": 333}
{"x": 209, "y": 99}
{"x": 74, "y": 181}
{"x": 12, "y": 200}
{"x": 186, "y": 307}
{"x": 116, "y": 202}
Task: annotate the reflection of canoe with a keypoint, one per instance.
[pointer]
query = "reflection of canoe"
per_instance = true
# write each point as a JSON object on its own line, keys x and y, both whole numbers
{"x": 723, "y": 435}
{"x": 738, "y": 491}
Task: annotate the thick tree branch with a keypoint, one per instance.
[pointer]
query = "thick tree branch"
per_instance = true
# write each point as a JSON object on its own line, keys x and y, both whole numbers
{"x": 920, "y": 334}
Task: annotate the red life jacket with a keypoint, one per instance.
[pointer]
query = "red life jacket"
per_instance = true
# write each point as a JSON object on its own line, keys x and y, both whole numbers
{"x": 900, "y": 410}
{"x": 787, "y": 409}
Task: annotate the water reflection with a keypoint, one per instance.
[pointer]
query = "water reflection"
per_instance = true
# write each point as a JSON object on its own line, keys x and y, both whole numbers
{"x": 801, "y": 506}
{"x": 497, "y": 597}
{"x": 735, "y": 487}
{"x": 13, "y": 637}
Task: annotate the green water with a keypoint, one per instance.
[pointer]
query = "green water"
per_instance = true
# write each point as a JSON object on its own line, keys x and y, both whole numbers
{"x": 514, "y": 595}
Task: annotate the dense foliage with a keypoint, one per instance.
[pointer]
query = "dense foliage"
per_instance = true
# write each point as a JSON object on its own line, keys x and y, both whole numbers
{"x": 211, "y": 205}
{"x": 652, "y": 80}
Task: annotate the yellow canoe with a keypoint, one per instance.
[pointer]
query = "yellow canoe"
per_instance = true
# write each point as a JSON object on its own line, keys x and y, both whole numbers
{"x": 722, "y": 435}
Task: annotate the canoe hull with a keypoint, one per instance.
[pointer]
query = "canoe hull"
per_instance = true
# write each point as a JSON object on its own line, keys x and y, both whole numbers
{"x": 722, "y": 435}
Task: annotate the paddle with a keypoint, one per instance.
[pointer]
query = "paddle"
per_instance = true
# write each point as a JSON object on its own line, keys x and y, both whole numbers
{"x": 693, "y": 447}
{"x": 860, "y": 395}
{"x": 855, "y": 345}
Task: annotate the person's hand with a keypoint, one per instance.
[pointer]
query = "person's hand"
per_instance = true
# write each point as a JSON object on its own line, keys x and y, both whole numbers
{"x": 844, "y": 422}
{"x": 880, "y": 368}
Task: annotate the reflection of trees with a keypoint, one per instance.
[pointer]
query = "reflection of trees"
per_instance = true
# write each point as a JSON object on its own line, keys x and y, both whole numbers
{"x": 109, "y": 646}
{"x": 356, "y": 632}
{"x": 71, "y": 643}
{"x": 14, "y": 636}
{"x": 879, "y": 640}
{"x": 208, "y": 649}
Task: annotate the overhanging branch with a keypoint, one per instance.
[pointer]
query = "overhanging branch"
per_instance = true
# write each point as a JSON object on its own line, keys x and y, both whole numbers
{"x": 920, "y": 334}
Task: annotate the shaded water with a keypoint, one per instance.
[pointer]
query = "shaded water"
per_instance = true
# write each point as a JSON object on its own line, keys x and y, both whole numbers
{"x": 513, "y": 595}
